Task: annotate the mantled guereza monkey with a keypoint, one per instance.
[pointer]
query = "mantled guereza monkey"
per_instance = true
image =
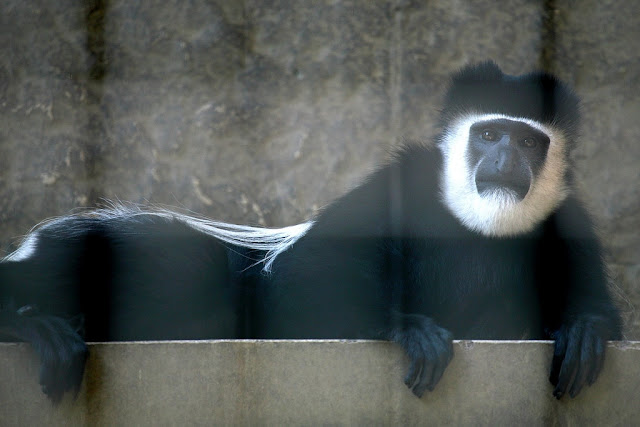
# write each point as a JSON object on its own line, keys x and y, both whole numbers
{"x": 478, "y": 239}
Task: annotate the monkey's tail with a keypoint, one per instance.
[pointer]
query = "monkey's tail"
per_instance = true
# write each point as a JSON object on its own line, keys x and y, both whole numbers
{"x": 269, "y": 241}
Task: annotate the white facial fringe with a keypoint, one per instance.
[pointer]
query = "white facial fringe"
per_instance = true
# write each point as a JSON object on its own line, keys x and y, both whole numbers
{"x": 500, "y": 214}
{"x": 273, "y": 241}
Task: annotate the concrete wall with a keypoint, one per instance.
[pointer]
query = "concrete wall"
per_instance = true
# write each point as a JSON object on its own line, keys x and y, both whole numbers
{"x": 315, "y": 382}
{"x": 261, "y": 112}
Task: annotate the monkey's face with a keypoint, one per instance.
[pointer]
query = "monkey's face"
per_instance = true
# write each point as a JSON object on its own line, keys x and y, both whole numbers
{"x": 502, "y": 175}
{"x": 506, "y": 155}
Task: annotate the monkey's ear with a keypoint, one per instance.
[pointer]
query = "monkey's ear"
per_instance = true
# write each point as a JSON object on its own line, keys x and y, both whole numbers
{"x": 487, "y": 71}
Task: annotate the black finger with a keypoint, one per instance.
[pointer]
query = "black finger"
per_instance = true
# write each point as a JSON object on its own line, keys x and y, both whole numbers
{"x": 426, "y": 375}
{"x": 415, "y": 368}
{"x": 584, "y": 366}
{"x": 76, "y": 371}
{"x": 568, "y": 370}
{"x": 599, "y": 349}
{"x": 559, "y": 350}
{"x": 443, "y": 362}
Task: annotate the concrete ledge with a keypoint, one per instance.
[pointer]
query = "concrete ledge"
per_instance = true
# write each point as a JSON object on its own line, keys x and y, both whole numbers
{"x": 315, "y": 382}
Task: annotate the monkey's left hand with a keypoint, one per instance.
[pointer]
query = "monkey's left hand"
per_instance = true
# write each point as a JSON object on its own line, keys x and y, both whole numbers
{"x": 429, "y": 347}
{"x": 578, "y": 355}
{"x": 62, "y": 350}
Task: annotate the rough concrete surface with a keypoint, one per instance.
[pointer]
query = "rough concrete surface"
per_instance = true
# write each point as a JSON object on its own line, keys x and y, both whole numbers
{"x": 315, "y": 383}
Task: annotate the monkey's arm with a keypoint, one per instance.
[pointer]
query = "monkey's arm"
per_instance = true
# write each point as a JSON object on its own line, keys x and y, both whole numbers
{"x": 588, "y": 315}
{"x": 62, "y": 350}
{"x": 428, "y": 345}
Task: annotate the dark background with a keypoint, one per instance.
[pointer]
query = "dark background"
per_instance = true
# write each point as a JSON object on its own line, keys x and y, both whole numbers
{"x": 261, "y": 112}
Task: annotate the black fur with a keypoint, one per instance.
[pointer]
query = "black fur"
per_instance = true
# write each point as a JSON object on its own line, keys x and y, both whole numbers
{"x": 383, "y": 264}
{"x": 538, "y": 96}
{"x": 388, "y": 260}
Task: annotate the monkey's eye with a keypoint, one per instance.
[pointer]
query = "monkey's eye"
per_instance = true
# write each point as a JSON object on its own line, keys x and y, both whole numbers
{"x": 529, "y": 142}
{"x": 489, "y": 135}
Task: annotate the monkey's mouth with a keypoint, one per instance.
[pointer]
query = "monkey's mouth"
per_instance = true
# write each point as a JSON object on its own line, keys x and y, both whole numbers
{"x": 491, "y": 188}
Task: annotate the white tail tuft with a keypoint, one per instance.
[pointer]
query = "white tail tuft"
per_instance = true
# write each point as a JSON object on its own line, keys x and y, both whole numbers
{"x": 273, "y": 241}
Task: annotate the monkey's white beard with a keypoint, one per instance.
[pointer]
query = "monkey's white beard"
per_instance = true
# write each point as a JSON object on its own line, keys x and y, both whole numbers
{"x": 500, "y": 212}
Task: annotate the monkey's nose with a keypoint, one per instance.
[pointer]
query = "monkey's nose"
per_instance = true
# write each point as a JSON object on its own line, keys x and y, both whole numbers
{"x": 504, "y": 162}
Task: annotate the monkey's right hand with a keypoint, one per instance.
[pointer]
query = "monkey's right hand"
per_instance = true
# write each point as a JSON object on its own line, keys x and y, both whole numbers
{"x": 62, "y": 350}
{"x": 429, "y": 347}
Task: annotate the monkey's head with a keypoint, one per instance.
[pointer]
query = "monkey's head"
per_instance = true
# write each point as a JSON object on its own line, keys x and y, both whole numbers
{"x": 506, "y": 142}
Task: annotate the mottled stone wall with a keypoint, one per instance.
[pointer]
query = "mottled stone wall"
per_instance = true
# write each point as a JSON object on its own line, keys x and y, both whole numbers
{"x": 261, "y": 112}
